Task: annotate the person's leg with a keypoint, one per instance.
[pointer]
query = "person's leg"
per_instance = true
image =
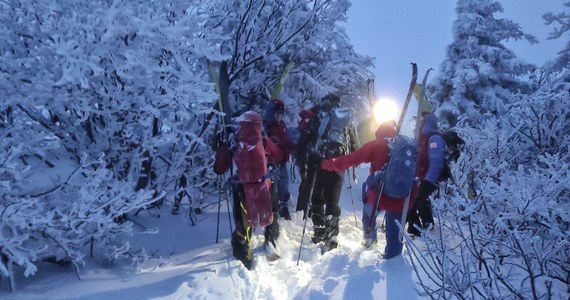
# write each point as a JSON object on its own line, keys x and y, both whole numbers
{"x": 240, "y": 236}
{"x": 393, "y": 245}
{"x": 283, "y": 189}
{"x": 425, "y": 214}
{"x": 332, "y": 197}
{"x": 317, "y": 211}
{"x": 369, "y": 233}
{"x": 271, "y": 234}
{"x": 307, "y": 185}
{"x": 413, "y": 221}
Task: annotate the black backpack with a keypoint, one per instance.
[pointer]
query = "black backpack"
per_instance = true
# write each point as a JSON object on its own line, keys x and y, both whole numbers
{"x": 453, "y": 147}
{"x": 332, "y": 133}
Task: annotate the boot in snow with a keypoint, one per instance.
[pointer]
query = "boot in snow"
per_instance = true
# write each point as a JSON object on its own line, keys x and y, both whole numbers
{"x": 270, "y": 245}
{"x": 318, "y": 235}
{"x": 241, "y": 250}
{"x": 331, "y": 233}
{"x": 284, "y": 212}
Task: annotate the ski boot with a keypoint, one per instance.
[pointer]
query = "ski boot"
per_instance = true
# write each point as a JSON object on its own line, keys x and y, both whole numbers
{"x": 370, "y": 239}
{"x": 331, "y": 233}
{"x": 318, "y": 235}
{"x": 271, "y": 234}
{"x": 175, "y": 209}
{"x": 284, "y": 212}
{"x": 241, "y": 250}
{"x": 369, "y": 243}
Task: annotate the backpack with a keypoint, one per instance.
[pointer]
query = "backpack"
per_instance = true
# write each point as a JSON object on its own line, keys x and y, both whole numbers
{"x": 251, "y": 164}
{"x": 453, "y": 147}
{"x": 333, "y": 132}
{"x": 400, "y": 173}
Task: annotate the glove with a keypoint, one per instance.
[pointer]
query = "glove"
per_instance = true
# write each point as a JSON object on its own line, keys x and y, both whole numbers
{"x": 223, "y": 159}
{"x": 426, "y": 189}
{"x": 328, "y": 164}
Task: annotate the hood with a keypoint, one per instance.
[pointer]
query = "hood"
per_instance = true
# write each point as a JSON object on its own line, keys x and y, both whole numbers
{"x": 386, "y": 129}
{"x": 273, "y": 106}
{"x": 430, "y": 124}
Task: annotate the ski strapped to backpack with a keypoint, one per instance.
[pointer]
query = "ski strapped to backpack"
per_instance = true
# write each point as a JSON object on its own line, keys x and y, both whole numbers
{"x": 423, "y": 105}
{"x": 398, "y": 128}
{"x": 222, "y": 138}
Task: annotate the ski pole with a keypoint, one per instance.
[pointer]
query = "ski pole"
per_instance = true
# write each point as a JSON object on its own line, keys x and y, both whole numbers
{"x": 229, "y": 212}
{"x": 352, "y": 198}
{"x": 302, "y": 237}
{"x": 219, "y": 208}
{"x": 404, "y": 217}
{"x": 307, "y": 216}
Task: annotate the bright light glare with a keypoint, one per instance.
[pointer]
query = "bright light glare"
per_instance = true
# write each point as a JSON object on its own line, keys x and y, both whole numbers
{"x": 385, "y": 110}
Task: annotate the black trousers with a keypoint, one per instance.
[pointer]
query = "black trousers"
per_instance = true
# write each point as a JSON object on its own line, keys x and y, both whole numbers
{"x": 307, "y": 183}
{"x": 421, "y": 214}
{"x": 326, "y": 194}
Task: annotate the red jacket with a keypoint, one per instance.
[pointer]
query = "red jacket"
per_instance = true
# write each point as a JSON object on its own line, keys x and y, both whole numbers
{"x": 277, "y": 132}
{"x": 376, "y": 153}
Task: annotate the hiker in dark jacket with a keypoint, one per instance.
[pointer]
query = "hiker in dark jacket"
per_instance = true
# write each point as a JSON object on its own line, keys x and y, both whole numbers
{"x": 324, "y": 210}
{"x": 308, "y": 164}
{"x": 377, "y": 153}
{"x": 431, "y": 160}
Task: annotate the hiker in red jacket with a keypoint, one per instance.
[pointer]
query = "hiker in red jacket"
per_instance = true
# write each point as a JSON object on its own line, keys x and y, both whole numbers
{"x": 254, "y": 200}
{"x": 376, "y": 153}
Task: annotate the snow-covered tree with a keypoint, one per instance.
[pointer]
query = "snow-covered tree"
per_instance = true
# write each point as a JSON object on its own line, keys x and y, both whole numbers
{"x": 113, "y": 86}
{"x": 543, "y": 117}
{"x": 479, "y": 77}
{"x": 263, "y": 39}
{"x": 510, "y": 240}
{"x": 504, "y": 222}
{"x": 562, "y": 22}
{"x": 114, "y": 102}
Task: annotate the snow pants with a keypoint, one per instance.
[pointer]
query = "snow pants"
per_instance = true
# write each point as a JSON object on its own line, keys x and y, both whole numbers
{"x": 393, "y": 244}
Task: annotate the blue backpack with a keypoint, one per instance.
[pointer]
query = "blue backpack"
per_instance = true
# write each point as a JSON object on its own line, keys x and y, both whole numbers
{"x": 401, "y": 171}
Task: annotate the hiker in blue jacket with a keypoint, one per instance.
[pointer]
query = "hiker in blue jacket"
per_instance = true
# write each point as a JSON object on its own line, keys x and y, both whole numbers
{"x": 431, "y": 161}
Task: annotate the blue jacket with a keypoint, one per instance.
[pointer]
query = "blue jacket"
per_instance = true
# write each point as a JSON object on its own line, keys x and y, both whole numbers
{"x": 435, "y": 148}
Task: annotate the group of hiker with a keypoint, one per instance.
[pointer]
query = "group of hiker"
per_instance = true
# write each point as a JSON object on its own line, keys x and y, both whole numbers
{"x": 326, "y": 146}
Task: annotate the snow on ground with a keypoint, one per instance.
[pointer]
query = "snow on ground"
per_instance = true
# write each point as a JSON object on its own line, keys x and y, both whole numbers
{"x": 187, "y": 264}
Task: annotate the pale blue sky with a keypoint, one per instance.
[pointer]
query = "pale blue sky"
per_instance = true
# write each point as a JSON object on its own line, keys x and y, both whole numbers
{"x": 398, "y": 32}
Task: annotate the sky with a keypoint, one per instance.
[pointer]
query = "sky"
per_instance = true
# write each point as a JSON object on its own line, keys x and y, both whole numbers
{"x": 399, "y": 32}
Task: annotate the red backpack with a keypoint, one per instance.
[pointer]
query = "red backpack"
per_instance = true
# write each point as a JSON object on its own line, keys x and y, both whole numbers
{"x": 251, "y": 164}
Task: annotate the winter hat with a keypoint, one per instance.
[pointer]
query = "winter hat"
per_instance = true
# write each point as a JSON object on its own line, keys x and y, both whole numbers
{"x": 386, "y": 129}
{"x": 332, "y": 99}
{"x": 430, "y": 124}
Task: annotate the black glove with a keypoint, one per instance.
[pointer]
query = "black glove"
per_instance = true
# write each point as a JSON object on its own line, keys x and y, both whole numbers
{"x": 426, "y": 189}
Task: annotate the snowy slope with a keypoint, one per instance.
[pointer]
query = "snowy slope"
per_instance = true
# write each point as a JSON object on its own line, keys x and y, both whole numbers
{"x": 187, "y": 264}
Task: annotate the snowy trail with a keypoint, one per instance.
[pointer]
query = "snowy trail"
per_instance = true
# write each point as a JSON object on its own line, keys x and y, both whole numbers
{"x": 188, "y": 264}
